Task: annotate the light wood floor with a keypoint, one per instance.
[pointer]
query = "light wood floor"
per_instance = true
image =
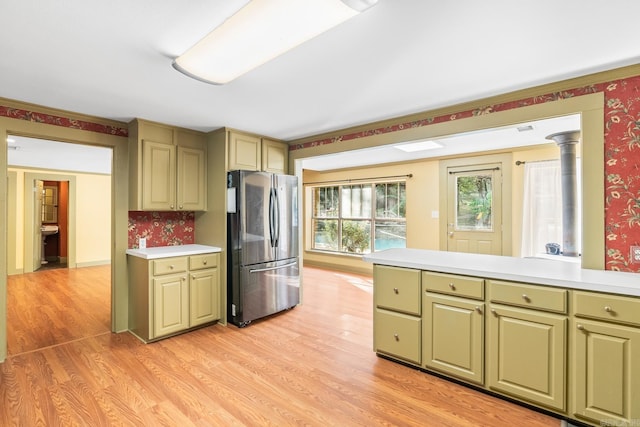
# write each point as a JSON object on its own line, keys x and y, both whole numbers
{"x": 312, "y": 366}
{"x": 50, "y": 307}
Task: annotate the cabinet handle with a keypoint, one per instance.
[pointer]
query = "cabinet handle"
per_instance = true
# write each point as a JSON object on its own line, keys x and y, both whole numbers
{"x": 525, "y": 297}
{"x": 396, "y": 337}
{"x": 478, "y": 309}
{"x": 580, "y": 327}
{"x": 452, "y": 286}
{"x": 395, "y": 291}
{"x": 608, "y": 309}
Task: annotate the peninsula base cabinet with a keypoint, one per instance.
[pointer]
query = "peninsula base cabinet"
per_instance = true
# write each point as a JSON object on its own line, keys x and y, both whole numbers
{"x": 527, "y": 343}
{"x": 396, "y": 317}
{"x": 171, "y": 295}
{"x": 453, "y": 325}
{"x": 566, "y": 351}
{"x": 606, "y": 365}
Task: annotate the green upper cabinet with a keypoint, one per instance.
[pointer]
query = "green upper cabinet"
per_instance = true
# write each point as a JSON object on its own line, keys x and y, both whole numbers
{"x": 167, "y": 168}
{"x": 255, "y": 153}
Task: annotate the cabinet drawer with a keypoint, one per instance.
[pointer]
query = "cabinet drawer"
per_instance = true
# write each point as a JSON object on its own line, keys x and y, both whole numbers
{"x": 470, "y": 287}
{"x": 169, "y": 265}
{"x": 397, "y": 289}
{"x": 531, "y": 296}
{"x": 607, "y": 307}
{"x": 398, "y": 334}
{"x": 198, "y": 262}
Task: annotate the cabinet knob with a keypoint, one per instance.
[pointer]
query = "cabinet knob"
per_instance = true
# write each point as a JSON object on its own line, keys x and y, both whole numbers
{"x": 452, "y": 286}
{"x": 170, "y": 206}
{"x": 193, "y": 276}
{"x": 395, "y": 291}
{"x": 180, "y": 207}
{"x": 171, "y": 267}
{"x": 478, "y": 309}
{"x": 204, "y": 262}
{"x": 580, "y": 327}
{"x": 608, "y": 309}
{"x": 525, "y": 297}
{"x": 493, "y": 310}
{"x": 396, "y": 337}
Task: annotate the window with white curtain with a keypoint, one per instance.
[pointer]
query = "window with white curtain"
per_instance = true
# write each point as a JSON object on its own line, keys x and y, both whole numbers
{"x": 542, "y": 207}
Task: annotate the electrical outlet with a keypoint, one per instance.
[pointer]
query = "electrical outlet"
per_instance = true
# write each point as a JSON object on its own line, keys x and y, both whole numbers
{"x": 635, "y": 254}
{"x": 142, "y": 242}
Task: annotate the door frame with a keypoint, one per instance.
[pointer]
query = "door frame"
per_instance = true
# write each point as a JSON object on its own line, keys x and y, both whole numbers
{"x": 475, "y": 162}
{"x": 29, "y": 177}
{"x": 119, "y": 206}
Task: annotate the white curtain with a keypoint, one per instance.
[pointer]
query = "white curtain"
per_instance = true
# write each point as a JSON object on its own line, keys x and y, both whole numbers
{"x": 542, "y": 207}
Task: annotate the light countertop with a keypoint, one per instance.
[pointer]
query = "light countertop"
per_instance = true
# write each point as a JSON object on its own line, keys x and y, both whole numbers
{"x": 528, "y": 270}
{"x": 171, "y": 251}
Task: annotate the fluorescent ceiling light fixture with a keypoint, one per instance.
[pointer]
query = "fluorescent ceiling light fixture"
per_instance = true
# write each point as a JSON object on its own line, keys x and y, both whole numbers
{"x": 412, "y": 147}
{"x": 261, "y": 31}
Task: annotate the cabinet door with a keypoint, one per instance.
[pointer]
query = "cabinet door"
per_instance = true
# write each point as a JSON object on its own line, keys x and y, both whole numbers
{"x": 527, "y": 355}
{"x": 170, "y": 304}
{"x": 606, "y": 372}
{"x": 275, "y": 156}
{"x": 191, "y": 179}
{"x": 158, "y": 176}
{"x": 453, "y": 336}
{"x": 204, "y": 290}
{"x": 244, "y": 152}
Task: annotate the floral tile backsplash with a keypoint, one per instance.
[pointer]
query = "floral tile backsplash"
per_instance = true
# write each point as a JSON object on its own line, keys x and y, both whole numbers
{"x": 161, "y": 228}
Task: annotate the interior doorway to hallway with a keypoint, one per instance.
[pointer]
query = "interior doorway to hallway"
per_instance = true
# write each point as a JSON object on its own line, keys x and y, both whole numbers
{"x": 62, "y": 217}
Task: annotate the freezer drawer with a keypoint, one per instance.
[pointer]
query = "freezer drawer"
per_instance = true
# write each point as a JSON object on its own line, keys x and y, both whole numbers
{"x": 264, "y": 289}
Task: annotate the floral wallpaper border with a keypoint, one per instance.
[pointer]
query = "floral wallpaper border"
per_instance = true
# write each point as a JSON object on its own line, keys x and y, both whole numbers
{"x": 33, "y": 116}
{"x": 161, "y": 228}
{"x": 622, "y": 157}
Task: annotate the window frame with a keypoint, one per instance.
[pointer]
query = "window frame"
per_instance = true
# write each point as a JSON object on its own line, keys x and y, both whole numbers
{"x": 373, "y": 219}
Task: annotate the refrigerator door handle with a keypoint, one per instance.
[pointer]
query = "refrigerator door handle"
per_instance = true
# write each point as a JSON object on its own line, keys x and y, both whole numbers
{"x": 258, "y": 270}
{"x": 271, "y": 219}
{"x": 277, "y": 218}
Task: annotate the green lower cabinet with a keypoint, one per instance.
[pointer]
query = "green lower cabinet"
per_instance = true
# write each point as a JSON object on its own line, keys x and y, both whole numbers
{"x": 170, "y": 304}
{"x": 526, "y": 353}
{"x": 606, "y": 373}
{"x": 397, "y": 335}
{"x": 453, "y": 336}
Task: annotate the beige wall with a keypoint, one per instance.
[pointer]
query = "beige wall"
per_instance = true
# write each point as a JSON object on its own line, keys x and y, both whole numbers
{"x": 422, "y": 202}
{"x": 93, "y": 217}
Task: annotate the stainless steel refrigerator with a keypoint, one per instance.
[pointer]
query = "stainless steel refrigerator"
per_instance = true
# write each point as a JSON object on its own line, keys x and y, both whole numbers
{"x": 263, "y": 274}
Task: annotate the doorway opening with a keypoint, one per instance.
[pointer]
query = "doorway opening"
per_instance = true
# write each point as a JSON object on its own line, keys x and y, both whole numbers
{"x": 53, "y": 216}
{"x": 62, "y": 219}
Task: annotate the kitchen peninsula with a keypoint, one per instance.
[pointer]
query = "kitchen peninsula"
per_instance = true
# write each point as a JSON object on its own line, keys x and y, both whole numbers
{"x": 544, "y": 332}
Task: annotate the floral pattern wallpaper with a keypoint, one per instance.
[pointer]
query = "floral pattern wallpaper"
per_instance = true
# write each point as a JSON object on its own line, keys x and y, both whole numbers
{"x": 161, "y": 228}
{"x": 622, "y": 157}
{"x": 33, "y": 116}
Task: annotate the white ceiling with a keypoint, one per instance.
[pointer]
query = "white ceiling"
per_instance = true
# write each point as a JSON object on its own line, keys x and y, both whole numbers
{"x": 508, "y": 137}
{"x": 113, "y": 59}
{"x": 42, "y": 154}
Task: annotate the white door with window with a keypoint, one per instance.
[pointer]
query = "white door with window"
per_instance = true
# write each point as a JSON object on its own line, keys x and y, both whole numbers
{"x": 474, "y": 209}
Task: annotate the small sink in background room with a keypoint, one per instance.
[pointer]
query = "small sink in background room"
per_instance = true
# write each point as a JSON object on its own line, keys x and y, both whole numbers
{"x": 48, "y": 230}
